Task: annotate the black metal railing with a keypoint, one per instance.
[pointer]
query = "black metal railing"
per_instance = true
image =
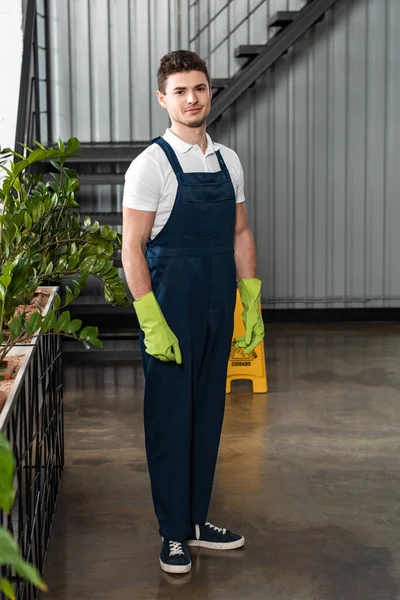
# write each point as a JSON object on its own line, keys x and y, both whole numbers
{"x": 200, "y": 25}
{"x": 33, "y": 119}
{"x": 34, "y": 426}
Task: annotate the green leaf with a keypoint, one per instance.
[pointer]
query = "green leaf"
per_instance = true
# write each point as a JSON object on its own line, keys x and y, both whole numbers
{"x": 56, "y": 165}
{"x": 61, "y": 145}
{"x": 34, "y": 323}
{"x": 95, "y": 342}
{"x": 3, "y": 291}
{"x": 56, "y": 302}
{"x": 63, "y": 249}
{"x": 36, "y": 213}
{"x": 87, "y": 221}
{"x": 76, "y": 287}
{"x": 107, "y": 266}
{"x": 105, "y": 231}
{"x": 73, "y": 145}
{"x": 37, "y": 155}
{"x": 10, "y": 232}
{"x": 7, "y": 465}
{"x": 95, "y": 226}
{"x": 5, "y": 280}
{"x": 88, "y": 263}
{"x": 49, "y": 268}
{"x": 40, "y": 207}
{"x": 62, "y": 263}
{"x": 63, "y": 321}
{"x": 101, "y": 247}
{"x": 111, "y": 273}
{"x": 108, "y": 295}
{"x": 99, "y": 265}
{"x": 50, "y": 320}
{"x": 6, "y": 170}
{"x": 8, "y": 269}
{"x": 69, "y": 296}
{"x": 10, "y": 555}
{"x": 28, "y": 220}
{"x": 74, "y": 326}
{"x": 73, "y": 262}
{"x": 88, "y": 332}
{"x": 7, "y": 589}
{"x": 15, "y": 326}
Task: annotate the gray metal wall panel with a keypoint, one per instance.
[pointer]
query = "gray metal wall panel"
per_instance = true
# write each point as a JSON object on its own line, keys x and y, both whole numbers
{"x": 104, "y": 61}
{"x": 318, "y": 135}
{"x": 324, "y": 176}
{"x": 391, "y": 221}
{"x": 61, "y": 81}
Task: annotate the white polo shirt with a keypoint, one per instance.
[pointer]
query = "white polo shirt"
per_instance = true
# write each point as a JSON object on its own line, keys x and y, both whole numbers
{"x": 151, "y": 184}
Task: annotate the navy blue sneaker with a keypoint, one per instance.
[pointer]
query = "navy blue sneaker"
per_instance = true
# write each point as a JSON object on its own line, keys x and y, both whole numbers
{"x": 209, "y": 536}
{"x": 175, "y": 557}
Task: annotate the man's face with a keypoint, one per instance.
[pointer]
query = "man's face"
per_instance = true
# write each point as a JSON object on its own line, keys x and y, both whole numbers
{"x": 187, "y": 98}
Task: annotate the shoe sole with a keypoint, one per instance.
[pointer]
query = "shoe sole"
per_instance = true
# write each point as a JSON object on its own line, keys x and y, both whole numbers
{"x": 175, "y": 568}
{"x": 216, "y": 545}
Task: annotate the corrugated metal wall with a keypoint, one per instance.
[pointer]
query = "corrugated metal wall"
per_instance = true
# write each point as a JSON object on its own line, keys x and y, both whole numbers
{"x": 105, "y": 55}
{"x": 318, "y": 135}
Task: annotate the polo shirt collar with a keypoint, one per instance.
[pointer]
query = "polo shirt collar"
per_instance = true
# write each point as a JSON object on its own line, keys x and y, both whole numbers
{"x": 182, "y": 147}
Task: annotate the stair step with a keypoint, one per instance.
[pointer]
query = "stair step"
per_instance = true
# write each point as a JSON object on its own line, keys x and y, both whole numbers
{"x": 283, "y": 18}
{"x": 249, "y": 51}
{"x": 101, "y": 179}
{"x": 109, "y": 153}
{"x": 104, "y": 218}
{"x": 220, "y": 84}
{"x": 261, "y": 58}
{"x": 95, "y": 178}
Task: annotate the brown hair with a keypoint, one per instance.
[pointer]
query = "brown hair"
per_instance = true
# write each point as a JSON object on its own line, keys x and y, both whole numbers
{"x": 179, "y": 61}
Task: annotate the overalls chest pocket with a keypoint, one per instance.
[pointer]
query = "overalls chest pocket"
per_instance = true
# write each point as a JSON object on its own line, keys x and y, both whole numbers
{"x": 209, "y": 209}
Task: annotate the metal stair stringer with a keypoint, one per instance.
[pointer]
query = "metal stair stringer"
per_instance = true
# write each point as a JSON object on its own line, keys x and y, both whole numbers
{"x": 278, "y": 45}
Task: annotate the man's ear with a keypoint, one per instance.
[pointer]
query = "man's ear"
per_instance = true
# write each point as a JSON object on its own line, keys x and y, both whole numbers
{"x": 161, "y": 99}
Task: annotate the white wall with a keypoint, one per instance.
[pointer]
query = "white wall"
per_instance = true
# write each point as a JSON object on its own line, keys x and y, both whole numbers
{"x": 10, "y": 68}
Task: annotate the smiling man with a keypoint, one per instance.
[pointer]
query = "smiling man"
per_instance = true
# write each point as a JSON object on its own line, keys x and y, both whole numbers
{"x": 186, "y": 247}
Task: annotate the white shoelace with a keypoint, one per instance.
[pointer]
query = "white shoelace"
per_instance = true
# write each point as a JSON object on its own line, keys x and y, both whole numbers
{"x": 223, "y": 531}
{"x": 175, "y": 548}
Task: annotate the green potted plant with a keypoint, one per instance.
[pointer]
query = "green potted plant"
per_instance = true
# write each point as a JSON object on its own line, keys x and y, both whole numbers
{"x": 10, "y": 554}
{"x": 43, "y": 240}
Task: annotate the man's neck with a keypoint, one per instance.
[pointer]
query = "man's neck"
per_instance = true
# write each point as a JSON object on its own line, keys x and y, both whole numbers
{"x": 191, "y": 135}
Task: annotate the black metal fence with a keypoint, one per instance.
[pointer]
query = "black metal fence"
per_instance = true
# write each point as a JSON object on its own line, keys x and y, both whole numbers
{"x": 34, "y": 425}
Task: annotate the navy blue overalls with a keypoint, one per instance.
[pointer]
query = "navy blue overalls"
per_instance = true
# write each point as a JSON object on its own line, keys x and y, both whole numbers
{"x": 192, "y": 268}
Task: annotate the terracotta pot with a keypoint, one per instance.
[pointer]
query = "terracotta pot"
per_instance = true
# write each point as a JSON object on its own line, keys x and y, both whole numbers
{"x": 7, "y": 374}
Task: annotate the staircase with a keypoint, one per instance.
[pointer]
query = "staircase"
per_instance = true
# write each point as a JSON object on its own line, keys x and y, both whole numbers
{"x": 104, "y": 164}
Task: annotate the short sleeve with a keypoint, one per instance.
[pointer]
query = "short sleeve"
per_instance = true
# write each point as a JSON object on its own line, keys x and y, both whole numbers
{"x": 143, "y": 184}
{"x": 235, "y": 170}
{"x": 240, "y": 182}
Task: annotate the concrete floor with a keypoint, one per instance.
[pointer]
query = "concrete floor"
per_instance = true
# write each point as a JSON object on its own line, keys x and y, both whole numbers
{"x": 309, "y": 473}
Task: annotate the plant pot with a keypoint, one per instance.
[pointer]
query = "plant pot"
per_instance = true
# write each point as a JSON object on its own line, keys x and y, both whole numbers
{"x": 6, "y": 370}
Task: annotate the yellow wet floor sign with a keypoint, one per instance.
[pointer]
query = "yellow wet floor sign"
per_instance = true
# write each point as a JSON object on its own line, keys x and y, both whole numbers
{"x": 246, "y": 366}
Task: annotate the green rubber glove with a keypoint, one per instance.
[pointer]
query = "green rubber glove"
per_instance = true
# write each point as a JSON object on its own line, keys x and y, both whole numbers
{"x": 159, "y": 340}
{"x": 250, "y": 290}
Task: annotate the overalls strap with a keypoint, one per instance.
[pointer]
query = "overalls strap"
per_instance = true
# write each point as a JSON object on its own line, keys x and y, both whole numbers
{"x": 174, "y": 162}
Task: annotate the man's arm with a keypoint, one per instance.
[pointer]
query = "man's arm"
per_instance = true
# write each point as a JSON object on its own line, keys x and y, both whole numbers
{"x": 137, "y": 226}
{"x": 245, "y": 249}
